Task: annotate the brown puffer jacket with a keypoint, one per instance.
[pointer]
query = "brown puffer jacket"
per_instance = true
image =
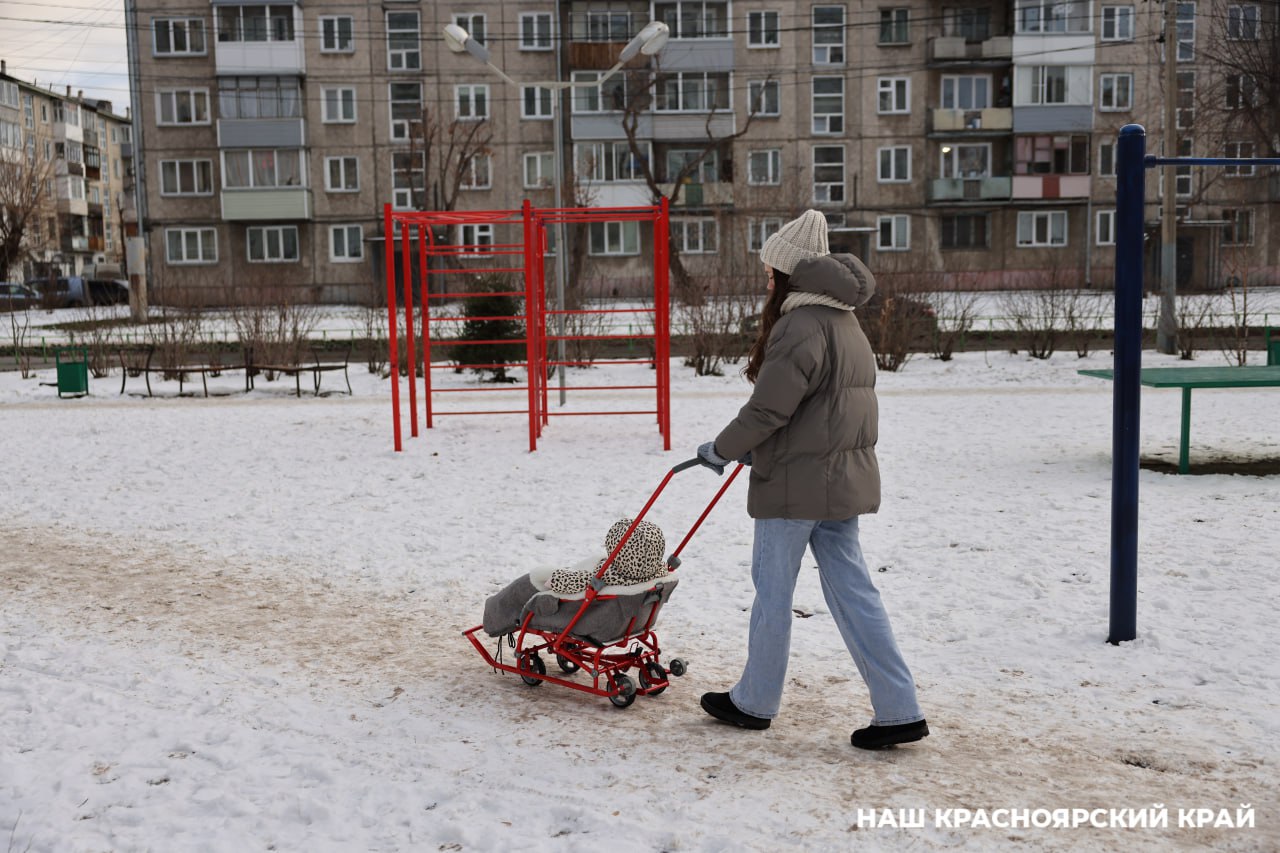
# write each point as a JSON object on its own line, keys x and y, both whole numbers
{"x": 811, "y": 423}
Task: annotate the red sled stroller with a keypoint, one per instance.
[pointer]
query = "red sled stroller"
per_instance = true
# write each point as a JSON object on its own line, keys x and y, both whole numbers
{"x": 598, "y": 623}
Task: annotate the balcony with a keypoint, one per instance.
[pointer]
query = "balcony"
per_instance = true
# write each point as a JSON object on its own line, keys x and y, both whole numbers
{"x": 1051, "y": 186}
{"x": 281, "y": 58}
{"x": 989, "y": 120}
{"x": 1053, "y": 119}
{"x": 256, "y": 205}
{"x": 678, "y": 126}
{"x": 262, "y": 133}
{"x": 961, "y": 49}
{"x": 970, "y": 189}
{"x": 698, "y": 55}
{"x": 718, "y": 194}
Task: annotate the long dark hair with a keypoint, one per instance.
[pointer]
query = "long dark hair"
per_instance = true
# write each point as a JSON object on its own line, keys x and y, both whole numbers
{"x": 772, "y": 311}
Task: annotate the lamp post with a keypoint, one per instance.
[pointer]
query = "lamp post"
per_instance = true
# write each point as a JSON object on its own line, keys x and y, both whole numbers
{"x": 651, "y": 39}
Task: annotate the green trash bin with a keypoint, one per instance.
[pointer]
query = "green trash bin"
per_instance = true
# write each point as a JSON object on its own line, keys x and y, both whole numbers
{"x": 73, "y": 371}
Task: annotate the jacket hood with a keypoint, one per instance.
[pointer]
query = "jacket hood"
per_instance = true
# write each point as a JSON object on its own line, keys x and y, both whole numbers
{"x": 839, "y": 276}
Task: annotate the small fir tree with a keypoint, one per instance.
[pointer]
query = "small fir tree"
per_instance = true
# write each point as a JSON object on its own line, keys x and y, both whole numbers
{"x": 492, "y": 318}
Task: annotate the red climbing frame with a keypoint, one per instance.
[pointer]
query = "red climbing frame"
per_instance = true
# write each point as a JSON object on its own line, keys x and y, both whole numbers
{"x": 416, "y": 233}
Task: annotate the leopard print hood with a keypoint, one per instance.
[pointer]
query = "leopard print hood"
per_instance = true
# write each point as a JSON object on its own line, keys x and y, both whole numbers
{"x": 641, "y": 559}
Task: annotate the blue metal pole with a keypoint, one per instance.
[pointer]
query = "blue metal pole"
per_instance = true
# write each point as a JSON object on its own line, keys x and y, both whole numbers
{"x": 1130, "y": 192}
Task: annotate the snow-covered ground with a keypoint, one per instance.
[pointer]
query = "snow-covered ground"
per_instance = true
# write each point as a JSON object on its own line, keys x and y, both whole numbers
{"x": 234, "y": 624}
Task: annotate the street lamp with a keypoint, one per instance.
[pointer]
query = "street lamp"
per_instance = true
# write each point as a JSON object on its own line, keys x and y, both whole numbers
{"x": 651, "y": 39}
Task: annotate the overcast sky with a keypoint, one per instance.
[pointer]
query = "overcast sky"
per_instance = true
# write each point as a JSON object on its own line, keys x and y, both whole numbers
{"x": 54, "y": 43}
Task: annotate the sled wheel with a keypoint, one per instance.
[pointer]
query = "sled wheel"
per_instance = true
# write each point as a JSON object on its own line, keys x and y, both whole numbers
{"x": 677, "y": 667}
{"x": 626, "y": 694}
{"x": 534, "y": 664}
{"x": 653, "y": 673}
{"x": 567, "y": 665}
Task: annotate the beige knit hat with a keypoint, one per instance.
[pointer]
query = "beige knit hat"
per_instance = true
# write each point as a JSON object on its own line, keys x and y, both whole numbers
{"x": 801, "y": 239}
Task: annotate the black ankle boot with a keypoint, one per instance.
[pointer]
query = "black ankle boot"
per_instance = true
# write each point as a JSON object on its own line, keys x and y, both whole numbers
{"x": 878, "y": 737}
{"x": 720, "y": 706}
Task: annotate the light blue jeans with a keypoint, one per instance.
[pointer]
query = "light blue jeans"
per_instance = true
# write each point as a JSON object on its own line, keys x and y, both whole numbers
{"x": 855, "y": 605}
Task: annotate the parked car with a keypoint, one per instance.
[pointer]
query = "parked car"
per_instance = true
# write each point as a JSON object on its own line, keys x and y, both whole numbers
{"x": 17, "y": 297}
{"x": 76, "y": 291}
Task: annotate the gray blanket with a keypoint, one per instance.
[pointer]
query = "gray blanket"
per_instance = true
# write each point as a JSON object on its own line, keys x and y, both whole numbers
{"x": 604, "y": 622}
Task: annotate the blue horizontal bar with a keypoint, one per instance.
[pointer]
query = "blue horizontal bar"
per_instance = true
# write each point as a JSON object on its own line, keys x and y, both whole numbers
{"x": 1152, "y": 161}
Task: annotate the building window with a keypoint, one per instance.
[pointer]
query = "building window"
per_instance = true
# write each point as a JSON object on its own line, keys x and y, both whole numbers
{"x": 611, "y": 97}
{"x": 406, "y": 109}
{"x": 1048, "y": 84}
{"x": 1242, "y": 23}
{"x": 828, "y": 105}
{"x": 272, "y": 244}
{"x": 759, "y": 230}
{"x": 341, "y": 174}
{"x": 604, "y": 26}
{"x": 1105, "y": 227}
{"x": 893, "y": 233}
{"x": 1117, "y": 23}
{"x": 828, "y": 35}
{"x": 764, "y": 98}
{"x": 762, "y": 29}
{"x": 186, "y": 177}
{"x": 262, "y": 168}
{"x": 966, "y": 92}
{"x": 1042, "y": 228}
{"x": 1239, "y": 228}
{"x": 539, "y": 170}
{"x": 1182, "y": 174}
{"x": 604, "y": 162}
{"x": 1116, "y": 92}
{"x": 535, "y": 102}
{"x": 695, "y": 236}
{"x": 474, "y": 238}
{"x": 1051, "y": 155}
{"x": 894, "y": 164}
{"x": 404, "y": 52}
{"x": 182, "y": 106}
{"x": 11, "y": 136}
{"x": 9, "y": 94}
{"x": 894, "y": 95}
{"x": 828, "y": 174}
{"x": 178, "y": 37}
{"x": 1242, "y": 91}
{"x": 1186, "y": 24}
{"x": 966, "y": 161}
{"x": 408, "y": 176}
{"x": 29, "y": 111}
{"x": 475, "y": 23}
{"x": 971, "y": 24}
{"x": 694, "y": 19}
{"x": 336, "y": 34}
{"x": 965, "y": 231}
{"x": 1238, "y": 150}
{"x": 259, "y": 97}
{"x": 895, "y": 26}
{"x": 339, "y": 106}
{"x": 477, "y": 173}
{"x": 1052, "y": 16}
{"x": 471, "y": 102}
{"x": 254, "y": 23}
{"x": 692, "y": 91}
{"x": 692, "y": 165}
{"x": 1107, "y": 159}
{"x": 346, "y": 243}
{"x": 191, "y": 245}
{"x": 764, "y": 168}
{"x": 614, "y": 238}
{"x": 535, "y": 31}
{"x": 1186, "y": 99}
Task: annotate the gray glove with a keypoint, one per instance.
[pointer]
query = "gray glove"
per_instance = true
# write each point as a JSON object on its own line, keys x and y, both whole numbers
{"x": 708, "y": 456}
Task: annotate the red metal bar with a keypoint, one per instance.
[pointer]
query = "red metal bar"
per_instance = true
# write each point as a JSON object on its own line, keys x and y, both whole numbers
{"x": 662, "y": 321}
{"x": 426, "y": 334}
{"x": 390, "y": 259}
{"x": 530, "y": 330}
{"x": 406, "y": 281}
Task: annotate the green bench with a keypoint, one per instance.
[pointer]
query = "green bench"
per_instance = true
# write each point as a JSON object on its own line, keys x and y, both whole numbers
{"x": 1189, "y": 378}
{"x": 1273, "y": 347}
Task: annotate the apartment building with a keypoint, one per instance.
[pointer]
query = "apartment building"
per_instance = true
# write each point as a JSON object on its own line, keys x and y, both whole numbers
{"x": 80, "y": 154}
{"x": 963, "y": 145}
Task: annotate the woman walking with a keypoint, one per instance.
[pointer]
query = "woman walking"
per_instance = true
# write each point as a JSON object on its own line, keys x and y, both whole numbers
{"x": 809, "y": 432}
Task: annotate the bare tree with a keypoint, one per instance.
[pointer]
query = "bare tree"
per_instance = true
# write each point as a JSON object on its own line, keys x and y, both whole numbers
{"x": 956, "y": 311}
{"x": 26, "y": 204}
{"x": 1243, "y": 50}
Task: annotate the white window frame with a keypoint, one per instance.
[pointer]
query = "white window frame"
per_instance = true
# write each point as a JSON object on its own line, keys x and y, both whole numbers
{"x": 695, "y": 235}
{"x": 613, "y": 238}
{"x": 827, "y": 123}
{"x": 828, "y": 50}
{"x": 759, "y": 91}
{"x": 268, "y": 231}
{"x": 897, "y": 23}
{"x": 346, "y": 99}
{"x": 475, "y": 23}
{"x": 477, "y": 108}
{"x": 205, "y": 238}
{"x": 978, "y": 96}
{"x": 897, "y": 90}
{"x": 760, "y": 230}
{"x": 1239, "y": 149}
{"x": 347, "y": 232}
{"x": 251, "y": 171}
{"x": 1028, "y": 222}
{"x": 198, "y": 169}
{"x": 1237, "y": 217}
{"x": 1118, "y": 98}
{"x": 331, "y": 37}
{"x": 402, "y": 128}
{"x": 190, "y": 25}
{"x": 404, "y": 57}
{"x": 530, "y": 26}
{"x": 888, "y": 156}
{"x": 475, "y": 235}
{"x": 772, "y": 163}
{"x": 590, "y": 100}
{"x": 952, "y": 159}
{"x": 604, "y": 25}
{"x": 1240, "y": 92}
{"x": 9, "y": 94}
{"x": 1186, "y": 30}
{"x": 1059, "y": 20}
{"x": 829, "y": 192}
{"x": 1105, "y": 227}
{"x": 196, "y": 97}
{"x": 539, "y": 170}
{"x": 690, "y": 88}
{"x": 1242, "y": 26}
{"x": 477, "y": 173}
{"x": 604, "y": 159}
{"x": 1117, "y": 23}
{"x": 348, "y": 170}
{"x": 542, "y": 101}
{"x": 414, "y": 181}
{"x": 1042, "y": 80}
{"x": 761, "y": 35}
{"x": 694, "y": 19}
{"x": 899, "y": 233}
